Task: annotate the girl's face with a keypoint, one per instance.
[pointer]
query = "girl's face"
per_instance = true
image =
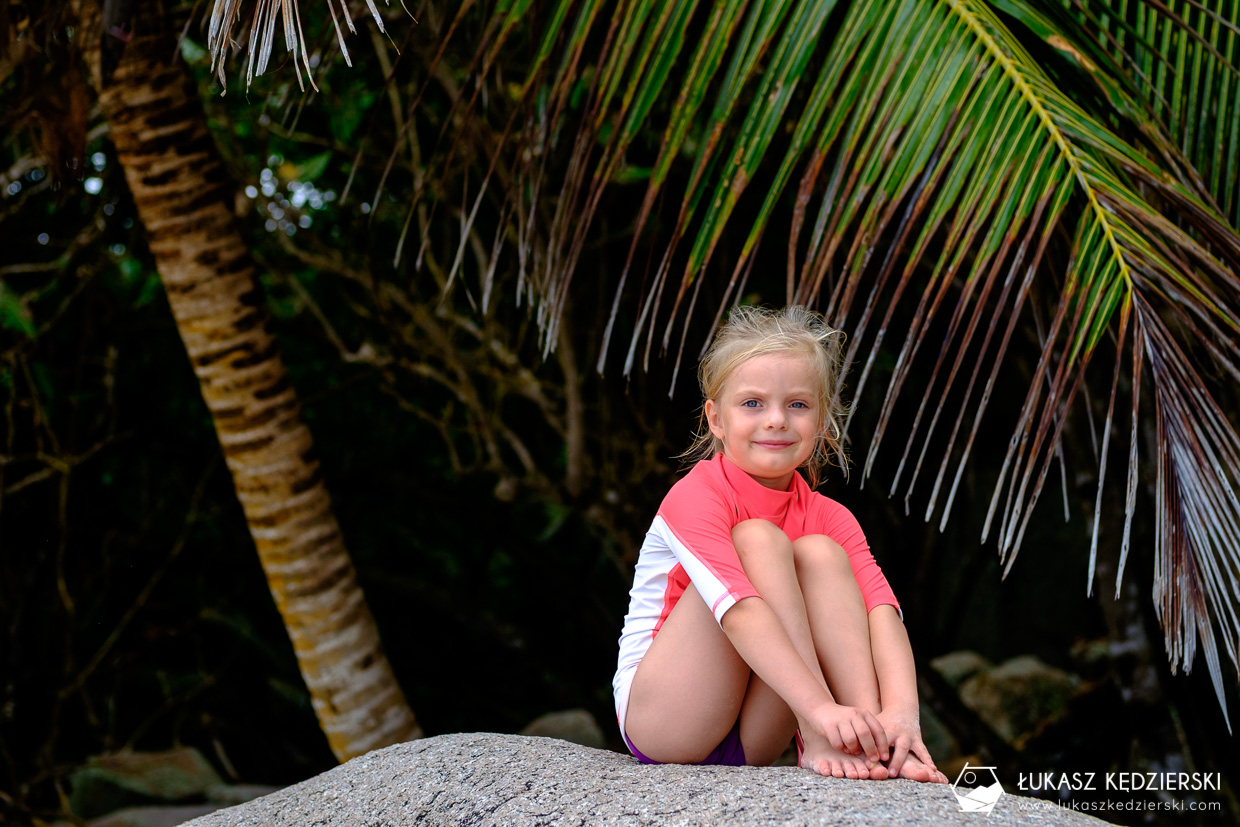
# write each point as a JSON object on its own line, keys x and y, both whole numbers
{"x": 767, "y": 416}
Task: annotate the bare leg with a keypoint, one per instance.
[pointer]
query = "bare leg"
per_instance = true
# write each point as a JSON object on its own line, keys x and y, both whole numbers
{"x": 839, "y": 627}
{"x": 689, "y": 687}
{"x": 771, "y": 563}
{"x": 837, "y": 620}
{"x": 841, "y": 632}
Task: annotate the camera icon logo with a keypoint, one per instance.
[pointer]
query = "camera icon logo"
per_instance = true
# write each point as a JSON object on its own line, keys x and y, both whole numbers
{"x": 977, "y": 789}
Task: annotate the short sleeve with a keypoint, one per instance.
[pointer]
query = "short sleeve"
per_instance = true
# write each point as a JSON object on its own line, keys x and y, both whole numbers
{"x": 698, "y": 520}
{"x": 828, "y": 517}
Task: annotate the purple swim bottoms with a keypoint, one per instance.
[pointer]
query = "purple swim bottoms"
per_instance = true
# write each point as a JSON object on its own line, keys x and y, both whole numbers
{"x": 729, "y": 753}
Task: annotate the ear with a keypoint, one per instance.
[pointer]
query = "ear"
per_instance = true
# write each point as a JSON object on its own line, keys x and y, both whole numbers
{"x": 711, "y": 411}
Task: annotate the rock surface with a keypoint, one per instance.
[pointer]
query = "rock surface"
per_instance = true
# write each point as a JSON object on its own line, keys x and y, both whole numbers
{"x": 483, "y": 779}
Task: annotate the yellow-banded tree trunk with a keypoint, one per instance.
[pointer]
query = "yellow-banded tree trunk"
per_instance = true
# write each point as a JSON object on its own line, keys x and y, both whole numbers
{"x": 184, "y": 200}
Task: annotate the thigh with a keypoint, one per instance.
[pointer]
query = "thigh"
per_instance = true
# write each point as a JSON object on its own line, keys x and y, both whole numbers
{"x": 688, "y": 689}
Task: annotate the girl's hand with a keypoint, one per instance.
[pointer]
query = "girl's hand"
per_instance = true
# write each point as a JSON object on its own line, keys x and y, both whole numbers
{"x": 908, "y": 753}
{"x": 853, "y": 730}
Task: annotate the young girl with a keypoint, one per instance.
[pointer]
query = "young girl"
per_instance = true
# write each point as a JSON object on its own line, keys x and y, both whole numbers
{"x": 757, "y": 610}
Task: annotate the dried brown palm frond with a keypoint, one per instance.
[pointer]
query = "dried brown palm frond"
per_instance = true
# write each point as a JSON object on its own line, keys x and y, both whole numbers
{"x": 263, "y": 22}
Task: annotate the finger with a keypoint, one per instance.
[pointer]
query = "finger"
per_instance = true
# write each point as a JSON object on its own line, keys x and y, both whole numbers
{"x": 848, "y": 733}
{"x": 880, "y": 735}
{"x": 918, "y": 748}
{"x": 865, "y": 737}
{"x": 898, "y": 754}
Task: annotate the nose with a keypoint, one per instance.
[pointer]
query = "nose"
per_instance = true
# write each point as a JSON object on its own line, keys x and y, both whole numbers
{"x": 776, "y": 418}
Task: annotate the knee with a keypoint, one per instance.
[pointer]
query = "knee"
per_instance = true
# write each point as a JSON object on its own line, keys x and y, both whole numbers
{"x": 818, "y": 552}
{"x": 762, "y": 536}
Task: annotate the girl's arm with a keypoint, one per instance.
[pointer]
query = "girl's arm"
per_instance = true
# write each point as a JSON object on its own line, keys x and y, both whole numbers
{"x": 897, "y": 687}
{"x": 760, "y": 639}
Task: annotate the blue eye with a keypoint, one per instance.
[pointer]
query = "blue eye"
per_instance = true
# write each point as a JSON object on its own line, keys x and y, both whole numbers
{"x": 799, "y": 405}
{"x": 750, "y": 403}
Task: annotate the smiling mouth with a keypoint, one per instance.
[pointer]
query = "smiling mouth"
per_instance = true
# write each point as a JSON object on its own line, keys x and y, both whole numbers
{"x": 773, "y": 444}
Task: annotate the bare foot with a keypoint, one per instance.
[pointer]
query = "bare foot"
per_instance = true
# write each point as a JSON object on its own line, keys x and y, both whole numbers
{"x": 914, "y": 770}
{"x": 818, "y": 755}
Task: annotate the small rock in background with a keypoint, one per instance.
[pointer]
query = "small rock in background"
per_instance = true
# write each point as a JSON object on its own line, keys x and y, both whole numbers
{"x": 170, "y": 815}
{"x": 135, "y": 789}
{"x": 1018, "y": 696}
{"x": 161, "y": 816}
{"x": 956, "y": 667}
{"x": 109, "y": 782}
{"x": 1095, "y": 660}
{"x": 577, "y": 726}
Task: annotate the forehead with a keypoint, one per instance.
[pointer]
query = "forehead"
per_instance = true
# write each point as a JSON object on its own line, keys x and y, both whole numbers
{"x": 784, "y": 371}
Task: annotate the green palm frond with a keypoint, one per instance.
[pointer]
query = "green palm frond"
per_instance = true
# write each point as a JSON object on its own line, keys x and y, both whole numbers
{"x": 1175, "y": 64}
{"x": 936, "y": 162}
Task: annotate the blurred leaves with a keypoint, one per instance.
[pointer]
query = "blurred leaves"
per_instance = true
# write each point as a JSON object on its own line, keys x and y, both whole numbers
{"x": 14, "y": 314}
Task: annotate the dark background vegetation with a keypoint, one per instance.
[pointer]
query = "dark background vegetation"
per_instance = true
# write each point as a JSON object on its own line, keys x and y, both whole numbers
{"x": 135, "y": 614}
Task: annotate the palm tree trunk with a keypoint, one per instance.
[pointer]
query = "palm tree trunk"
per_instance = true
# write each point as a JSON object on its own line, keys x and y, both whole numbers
{"x": 184, "y": 200}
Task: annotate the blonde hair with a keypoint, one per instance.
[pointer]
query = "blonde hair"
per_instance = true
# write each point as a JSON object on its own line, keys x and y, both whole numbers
{"x": 756, "y": 331}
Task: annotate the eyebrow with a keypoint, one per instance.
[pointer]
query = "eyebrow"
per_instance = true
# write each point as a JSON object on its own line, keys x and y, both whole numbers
{"x": 797, "y": 392}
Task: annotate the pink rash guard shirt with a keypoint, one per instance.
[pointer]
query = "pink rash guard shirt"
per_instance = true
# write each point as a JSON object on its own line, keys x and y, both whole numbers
{"x": 691, "y": 541}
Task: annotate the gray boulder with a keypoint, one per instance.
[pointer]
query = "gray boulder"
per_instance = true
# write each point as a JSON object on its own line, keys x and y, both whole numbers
{"x": 487, "y": 779}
